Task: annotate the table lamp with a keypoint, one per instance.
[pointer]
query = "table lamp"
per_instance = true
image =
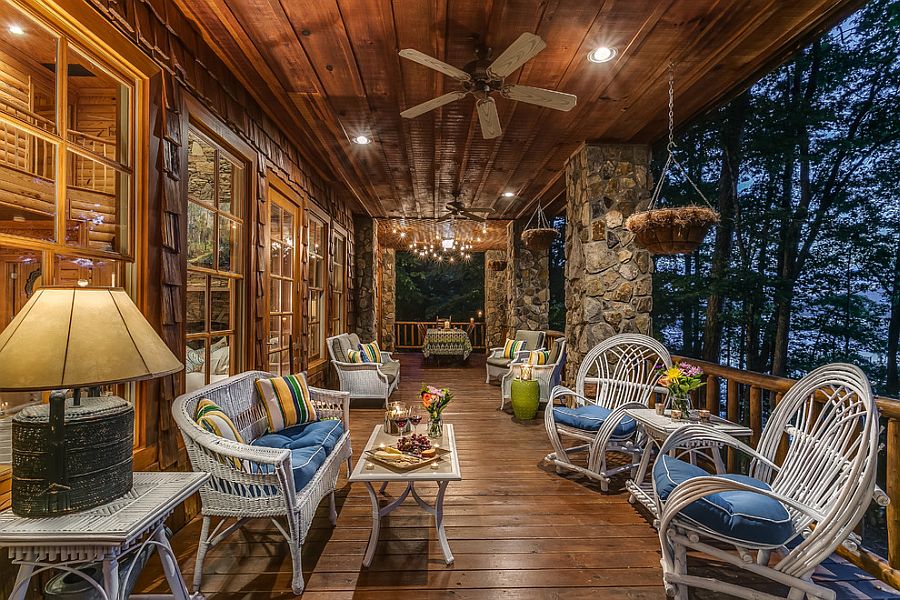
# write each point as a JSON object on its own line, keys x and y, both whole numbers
{"x": 76, "y": 454}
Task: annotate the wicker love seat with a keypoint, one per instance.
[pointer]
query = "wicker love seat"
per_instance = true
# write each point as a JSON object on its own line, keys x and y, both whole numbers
{"x": 281, "y": 476}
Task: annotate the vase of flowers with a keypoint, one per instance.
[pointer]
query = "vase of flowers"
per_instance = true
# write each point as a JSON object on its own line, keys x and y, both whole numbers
{"x": 680, "y": 380}
{"x": 435, "y": 400}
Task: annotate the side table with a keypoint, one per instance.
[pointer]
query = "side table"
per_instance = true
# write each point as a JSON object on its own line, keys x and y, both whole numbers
{"x": 102, "y": 534}
{"x": 525, "y": 397}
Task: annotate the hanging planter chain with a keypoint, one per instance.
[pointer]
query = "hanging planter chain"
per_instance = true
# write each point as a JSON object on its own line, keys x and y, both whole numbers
{"x": 541, "y": 235}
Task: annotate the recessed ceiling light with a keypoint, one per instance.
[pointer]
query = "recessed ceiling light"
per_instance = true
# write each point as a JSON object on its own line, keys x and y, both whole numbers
{"x": 508, "y": 194}
{"x": 361, "y": 140}
{"x": 16, "y": 29}
{"x": 602, "y": 54}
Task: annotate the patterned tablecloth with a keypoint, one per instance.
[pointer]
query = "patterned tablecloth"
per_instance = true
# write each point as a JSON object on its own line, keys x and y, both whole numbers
{"x": 447, "y": 342}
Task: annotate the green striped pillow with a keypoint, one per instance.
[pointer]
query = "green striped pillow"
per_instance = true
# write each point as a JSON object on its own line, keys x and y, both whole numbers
{"x": 213, "y": 419}
{"x": 511, "y": 347}
{"x": 371, "y": 352}
{"x": 287, "y": 401}
{"x": 539, "y": 357}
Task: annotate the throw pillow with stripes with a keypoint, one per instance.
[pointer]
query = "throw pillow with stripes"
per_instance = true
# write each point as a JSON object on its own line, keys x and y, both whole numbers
{"x": 213, "y": 419}
{"x": 357, "y": 357}
{"x": 511, "y": 347}
{"x": 287, "y": 401}
{"x": 371, "y": 351}
{"x": 538, "y": 357}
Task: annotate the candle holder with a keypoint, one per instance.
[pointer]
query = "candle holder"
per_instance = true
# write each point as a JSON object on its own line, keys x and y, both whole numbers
{"x": 526, "y": 372}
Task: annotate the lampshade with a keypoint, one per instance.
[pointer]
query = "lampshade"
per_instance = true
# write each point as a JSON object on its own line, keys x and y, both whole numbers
{"x": 79, "y": 337}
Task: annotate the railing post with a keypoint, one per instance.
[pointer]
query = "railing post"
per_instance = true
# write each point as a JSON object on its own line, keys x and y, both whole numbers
{"x": 755, "y": 414}
{"x": 781, "y": 453}
{"x": 712, "y": 394}
{"x": 732, "y": 410}
{"x": 893, "y": 492}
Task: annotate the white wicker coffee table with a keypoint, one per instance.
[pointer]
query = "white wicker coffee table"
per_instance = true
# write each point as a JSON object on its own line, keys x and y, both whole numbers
{"x": 445, "y": 471}
{"x": 102, "y": 534}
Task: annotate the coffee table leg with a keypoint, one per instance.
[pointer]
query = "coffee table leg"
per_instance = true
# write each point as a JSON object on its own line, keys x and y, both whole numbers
{"x": 376, "y": 526}
{"x": 439, "y": 521}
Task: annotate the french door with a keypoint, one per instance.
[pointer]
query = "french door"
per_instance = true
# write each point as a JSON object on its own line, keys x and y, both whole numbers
{"x": 285, "y": 246}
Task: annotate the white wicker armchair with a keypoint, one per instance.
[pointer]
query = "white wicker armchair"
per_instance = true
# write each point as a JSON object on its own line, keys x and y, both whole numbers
{"x": 621, "y": 371}
{"x": 263, "y": 487}
{"x": 497, "y": 366}
{"x": 823, "y": 487}
{"x": 363, "y": 380}
{"x": 548, "y": 376}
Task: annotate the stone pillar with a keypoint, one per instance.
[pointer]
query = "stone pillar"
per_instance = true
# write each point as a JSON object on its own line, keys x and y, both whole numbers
{"x": 527, "y": 284}
{"x": 388, "y": 297}
{"x": 495, "y": 304}
{"x": 365, "y": 249}
{"x": 608, "y": 277}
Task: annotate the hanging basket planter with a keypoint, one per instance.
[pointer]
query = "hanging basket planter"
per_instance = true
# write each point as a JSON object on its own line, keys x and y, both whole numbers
{"x": 666, "y": 231}
{"x": 539, "y": 237}
{"x": 496, "y": 265}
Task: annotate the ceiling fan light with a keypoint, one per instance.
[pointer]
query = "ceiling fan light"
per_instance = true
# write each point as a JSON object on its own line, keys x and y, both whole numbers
{"x": 362, "y": 140}
{"x": 509, "y": 194}
{"x": 447, "y": 244}
{"x": 602, "y": 54}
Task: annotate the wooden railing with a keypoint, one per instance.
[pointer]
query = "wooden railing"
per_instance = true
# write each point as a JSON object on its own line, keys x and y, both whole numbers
{"x": 749, "y": 397}
{"x": 408, "y": 334}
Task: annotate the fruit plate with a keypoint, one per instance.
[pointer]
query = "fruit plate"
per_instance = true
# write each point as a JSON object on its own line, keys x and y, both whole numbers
{"x": 405, "y": 462}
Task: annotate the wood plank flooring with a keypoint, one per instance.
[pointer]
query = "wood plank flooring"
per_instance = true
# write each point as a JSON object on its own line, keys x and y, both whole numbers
{"x": 517, "y": 529}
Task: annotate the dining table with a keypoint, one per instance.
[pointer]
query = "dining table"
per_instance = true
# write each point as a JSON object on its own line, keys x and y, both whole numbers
{"x": 452, "y": 342}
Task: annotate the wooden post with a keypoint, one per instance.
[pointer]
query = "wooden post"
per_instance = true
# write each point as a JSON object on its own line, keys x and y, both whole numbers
{"x": 755, "y": 414}
{"x": 712, "y": 394}
{"x": 781, "y": 453}
{"x": 893, "y": 492}
{"x": 732, "y": 410}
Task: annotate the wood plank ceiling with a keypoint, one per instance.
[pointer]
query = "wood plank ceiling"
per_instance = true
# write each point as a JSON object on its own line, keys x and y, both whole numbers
{"x": 330, "y": 68}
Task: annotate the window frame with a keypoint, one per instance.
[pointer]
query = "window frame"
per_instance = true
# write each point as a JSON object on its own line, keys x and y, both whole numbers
{"x": 314, "y": 214}
{"x": 338, "y": 322}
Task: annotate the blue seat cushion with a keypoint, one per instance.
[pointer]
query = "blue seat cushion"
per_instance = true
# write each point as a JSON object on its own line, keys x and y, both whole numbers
{"x": 318, "y": 433}
{"x": 590, "y": 417}
{"x": 309, "y": 443}
{"x": 740, "y": 515}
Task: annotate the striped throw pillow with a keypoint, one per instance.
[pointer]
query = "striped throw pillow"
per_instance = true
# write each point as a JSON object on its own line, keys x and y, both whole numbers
{"x": 287, "y": 401}
{"x": 539, "y": 357}
{"x": 213, "y": 419}
{"x": 371, "y": 351}
{"x": 357, "y": 356}
{"x": 511, "y": 347}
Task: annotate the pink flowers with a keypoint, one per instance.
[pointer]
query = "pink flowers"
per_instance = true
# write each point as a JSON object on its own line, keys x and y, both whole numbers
{"x": 435, "y": 399}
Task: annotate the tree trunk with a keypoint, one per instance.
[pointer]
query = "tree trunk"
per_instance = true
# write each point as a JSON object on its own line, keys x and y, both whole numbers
{"x": 732, "y": 128}
{"x": 893, "y": 336}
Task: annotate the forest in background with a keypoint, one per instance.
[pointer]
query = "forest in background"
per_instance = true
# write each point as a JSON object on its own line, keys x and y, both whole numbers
{"x": 804, "y": 268}
{"x": 427, "y": 289}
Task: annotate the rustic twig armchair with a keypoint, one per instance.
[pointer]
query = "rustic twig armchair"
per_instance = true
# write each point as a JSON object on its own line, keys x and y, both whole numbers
{"x": 263, "y": 485}
{"x": 548, "y": 376}
{"x": 803, "y": 509}
{"x": 621, "y": 372}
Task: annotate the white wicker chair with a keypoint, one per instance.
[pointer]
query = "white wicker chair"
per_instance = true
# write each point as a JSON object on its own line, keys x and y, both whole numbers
{"x": 264, "y": 486}
{"x": 824, "y": 484}
{"x": 621, "y": 370}
{"x": 548, "y": 376}
{"x": 497, "y": 366}
{"x": 363, "y": 380}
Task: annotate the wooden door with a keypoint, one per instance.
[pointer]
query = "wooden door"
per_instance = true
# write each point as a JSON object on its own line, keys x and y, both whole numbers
{"x": 285, "y": 228}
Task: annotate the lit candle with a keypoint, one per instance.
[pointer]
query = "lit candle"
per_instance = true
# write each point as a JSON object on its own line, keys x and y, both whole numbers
{"x": 525, "y": 373}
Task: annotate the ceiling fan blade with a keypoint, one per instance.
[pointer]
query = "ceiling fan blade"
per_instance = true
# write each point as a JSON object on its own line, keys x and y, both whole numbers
{"x": 540, "y": 96}
{"x": 472, "y": 216}
{"x": 421, "y": 109}
{"x": 519, "y": 52}
{"x": 487, "y": 116}
{"x": 444, "y": 219}
{"x": 433, "y": 63}
{"x": 476, "y": 209}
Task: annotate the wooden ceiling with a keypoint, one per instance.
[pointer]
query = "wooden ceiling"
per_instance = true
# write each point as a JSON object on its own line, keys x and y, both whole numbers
{"x": 404, "y": 234}
{"x": 330, "y": 67}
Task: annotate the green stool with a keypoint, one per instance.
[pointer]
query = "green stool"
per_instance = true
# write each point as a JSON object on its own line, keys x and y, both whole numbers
{"x": 525, "y": 396}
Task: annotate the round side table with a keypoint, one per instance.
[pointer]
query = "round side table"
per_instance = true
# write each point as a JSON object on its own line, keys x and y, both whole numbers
{"x": 525, "y": 396}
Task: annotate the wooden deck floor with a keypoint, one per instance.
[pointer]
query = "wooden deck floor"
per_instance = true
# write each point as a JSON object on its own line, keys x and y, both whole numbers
{"x": 517, "y": 529}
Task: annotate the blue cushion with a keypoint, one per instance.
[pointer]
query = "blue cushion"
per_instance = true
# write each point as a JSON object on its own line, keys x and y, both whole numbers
{"x": 737, "y": 514}
{"x": 309, "y": 443}
{"x": 590, "y": 417}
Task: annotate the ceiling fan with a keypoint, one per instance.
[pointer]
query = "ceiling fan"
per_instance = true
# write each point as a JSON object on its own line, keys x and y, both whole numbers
{"x": 483, "y": 76}
{"x": 457, "y": 209}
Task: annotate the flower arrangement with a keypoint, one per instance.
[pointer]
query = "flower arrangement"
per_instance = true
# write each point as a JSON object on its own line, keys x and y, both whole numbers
{"x": 435, "y": 400}
{"x": 680, "y": 380}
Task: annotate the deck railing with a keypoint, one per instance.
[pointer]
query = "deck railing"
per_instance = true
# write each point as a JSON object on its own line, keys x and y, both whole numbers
{"x": 408, "y": 334}
{"x": 749, "y": 397}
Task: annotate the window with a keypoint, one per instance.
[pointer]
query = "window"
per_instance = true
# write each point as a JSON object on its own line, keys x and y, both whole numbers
{"x": 215, "y": 262}
{"x": 67, "y": 189}
{"x": 316, "y": 252}
{"x": 338, "y": 284}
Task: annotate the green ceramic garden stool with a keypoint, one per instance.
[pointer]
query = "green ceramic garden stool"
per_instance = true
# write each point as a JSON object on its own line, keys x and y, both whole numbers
{"x": 525, "y": 396}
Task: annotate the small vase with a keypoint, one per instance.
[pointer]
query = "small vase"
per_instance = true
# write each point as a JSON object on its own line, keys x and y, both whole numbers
{"x": 436, "y": 427}
{"x": 682, "y": 403}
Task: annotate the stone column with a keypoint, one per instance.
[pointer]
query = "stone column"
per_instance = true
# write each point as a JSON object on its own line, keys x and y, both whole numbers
{"x": 495, "y": 304}
{"x": 527, "y": 284}
{"x": 609, "y": 282}
{"x": 388, "y": 297}
{"x": 365, "y": 248}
